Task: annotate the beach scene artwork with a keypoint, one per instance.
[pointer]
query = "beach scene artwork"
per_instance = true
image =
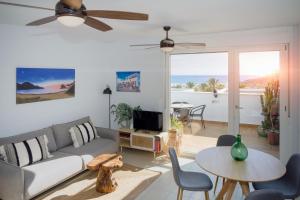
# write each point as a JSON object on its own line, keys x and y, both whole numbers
{"x": 128, "y": 81}
{"x": 44, "y": 84}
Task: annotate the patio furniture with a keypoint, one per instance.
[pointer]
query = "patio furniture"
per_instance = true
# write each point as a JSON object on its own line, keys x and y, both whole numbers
{"x": 265, "y": 194}
{"x": 181, "y": 110}
{"x": 224, "y": 140}
{"x": 289, "y": 184}
{"x": 191, "y": 181}
{"x": 257, "y": 168}
{"x": 197, "y": 112}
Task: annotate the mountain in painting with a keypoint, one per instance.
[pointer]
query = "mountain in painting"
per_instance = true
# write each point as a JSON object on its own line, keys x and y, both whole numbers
{"x": 27, "y": 86}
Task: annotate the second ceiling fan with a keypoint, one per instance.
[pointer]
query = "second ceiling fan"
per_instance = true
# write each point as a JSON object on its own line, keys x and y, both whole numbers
{"x": 74, "y": 13}
{"x": 168, "y": 44}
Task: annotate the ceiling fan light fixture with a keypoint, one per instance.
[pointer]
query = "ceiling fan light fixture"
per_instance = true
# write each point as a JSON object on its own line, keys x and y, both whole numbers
{"x": 70, "y": 20}
{"x": 167, "y": 45}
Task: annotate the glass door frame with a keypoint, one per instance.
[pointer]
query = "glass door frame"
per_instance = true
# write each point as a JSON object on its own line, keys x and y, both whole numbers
{"x": 233, "y": 82}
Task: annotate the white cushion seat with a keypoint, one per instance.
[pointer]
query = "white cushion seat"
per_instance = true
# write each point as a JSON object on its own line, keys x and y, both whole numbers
{"x": 47, "y": 173}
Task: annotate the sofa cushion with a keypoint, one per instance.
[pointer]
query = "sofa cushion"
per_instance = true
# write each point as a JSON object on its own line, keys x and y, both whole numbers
{"x": 27, "y": 152}
{"x": 29, "y": 135}
{"x": 92, "y": 149}
{"x": 61, "y": 132}
{"x": 45, "y": 174}
{"x": 83, "y": 134}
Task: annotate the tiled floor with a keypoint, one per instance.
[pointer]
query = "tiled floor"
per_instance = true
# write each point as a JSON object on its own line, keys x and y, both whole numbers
{"x": 164, "y": 188}
{"x": 196, "y": 138}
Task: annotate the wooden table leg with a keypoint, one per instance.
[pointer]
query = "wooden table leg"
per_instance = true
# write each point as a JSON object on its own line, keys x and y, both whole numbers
{"x": 245, "y": 188}
{"x": 224, "y": 190}
{"x": 105, "y": 183}
{"x": 230, "y": 190}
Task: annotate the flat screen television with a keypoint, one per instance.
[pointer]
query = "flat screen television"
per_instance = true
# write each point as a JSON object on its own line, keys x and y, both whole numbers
{"x": 147, "y": 120}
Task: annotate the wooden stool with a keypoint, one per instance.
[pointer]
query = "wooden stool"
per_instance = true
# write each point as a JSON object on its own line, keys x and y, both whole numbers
{"x": 105, "y": 163}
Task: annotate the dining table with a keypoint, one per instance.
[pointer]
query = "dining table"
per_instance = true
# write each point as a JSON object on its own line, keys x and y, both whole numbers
{"x": 258, "y": 167}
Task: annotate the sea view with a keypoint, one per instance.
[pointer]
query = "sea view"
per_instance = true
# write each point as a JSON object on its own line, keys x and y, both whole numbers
{"x": 198, "y": 79}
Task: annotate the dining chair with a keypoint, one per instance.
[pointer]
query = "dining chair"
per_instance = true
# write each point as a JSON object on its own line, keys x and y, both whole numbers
{"x": 265, "y": 195}
{"x": 197, "y": 112}
{"x": 186, "y": 180}
{"x": 224, "y": 140}
{"x": 289, "y": 184}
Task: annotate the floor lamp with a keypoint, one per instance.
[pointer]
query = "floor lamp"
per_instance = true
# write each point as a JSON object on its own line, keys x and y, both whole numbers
{"x": 107, "y": 90}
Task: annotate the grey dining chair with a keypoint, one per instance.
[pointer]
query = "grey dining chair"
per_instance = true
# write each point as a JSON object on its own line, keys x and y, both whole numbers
{"x": 265, "y": 195}
{"x": 224, "y": 140}
{"x": 186, "y": 180}
{"x": 289, "y": 184}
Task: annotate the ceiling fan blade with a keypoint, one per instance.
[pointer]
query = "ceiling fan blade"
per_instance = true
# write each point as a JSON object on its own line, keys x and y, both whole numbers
{"x": 152, "y": 47}
{"x": 110, "y": 14}
{"x": 144, "y": 45}
{"x": 42, "y": 21}
{"x": 97, "y": 24}
{"x": 24, "y": 6}
{"x": 190, "y": 44}
{"x": 74, "y": 4}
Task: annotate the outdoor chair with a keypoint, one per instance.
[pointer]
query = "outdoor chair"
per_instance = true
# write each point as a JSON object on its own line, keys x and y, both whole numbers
{"x": 191, "y": 181}
{"x": 224, "y": 140}
{"x": 197, "y": 112}
{"x": 289, "y": 184}
{"x": 265, "y": 195}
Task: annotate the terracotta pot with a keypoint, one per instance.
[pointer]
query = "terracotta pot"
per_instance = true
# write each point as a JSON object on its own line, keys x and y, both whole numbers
{"x": 273, "y": 138}
{"x": 172, "y": 133}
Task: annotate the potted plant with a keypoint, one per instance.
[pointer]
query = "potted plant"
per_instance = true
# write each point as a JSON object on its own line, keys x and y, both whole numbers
{"x": 270, "y": 109}
{"x": 273, "y": 134}
{"x": 123, "y": 114}
{"x": 174, "y": 134}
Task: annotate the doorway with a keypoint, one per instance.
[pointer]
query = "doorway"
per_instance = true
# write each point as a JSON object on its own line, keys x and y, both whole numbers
{"x": 232, "y": 85}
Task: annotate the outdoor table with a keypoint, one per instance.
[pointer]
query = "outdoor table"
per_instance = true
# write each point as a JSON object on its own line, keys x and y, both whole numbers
{"x": 258, "y": 167}
{"x": 182, "y": 106}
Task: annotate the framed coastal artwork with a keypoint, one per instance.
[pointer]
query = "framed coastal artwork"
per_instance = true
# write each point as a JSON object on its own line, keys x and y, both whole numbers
{"x": 43, "y": 84}
{"x": 129, "y": 81}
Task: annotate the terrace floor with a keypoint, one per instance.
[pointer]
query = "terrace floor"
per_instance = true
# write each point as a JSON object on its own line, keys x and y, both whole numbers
{"x": 196, "y": 138}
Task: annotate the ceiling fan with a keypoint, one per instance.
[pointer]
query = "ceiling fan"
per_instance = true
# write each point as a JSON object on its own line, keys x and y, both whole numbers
{"x": 73, "y": 13}
{"x": 168, "y": 44}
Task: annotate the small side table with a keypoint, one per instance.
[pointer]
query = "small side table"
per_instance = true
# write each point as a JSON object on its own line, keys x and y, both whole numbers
{"x": 105, "y": 163}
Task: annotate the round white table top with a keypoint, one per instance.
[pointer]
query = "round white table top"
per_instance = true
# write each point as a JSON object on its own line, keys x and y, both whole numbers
{"x": 258, "y": 166}
{"x": 181, "y": 105}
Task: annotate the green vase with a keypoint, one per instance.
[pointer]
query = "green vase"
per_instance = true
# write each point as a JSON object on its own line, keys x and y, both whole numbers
{"x": 239, "y": 151}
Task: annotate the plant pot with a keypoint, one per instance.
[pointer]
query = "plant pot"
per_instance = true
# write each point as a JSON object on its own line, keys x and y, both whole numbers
{"x": 261, "y": 132}
{"x": 273, "y": 138}
{"x": 172, "y": 133}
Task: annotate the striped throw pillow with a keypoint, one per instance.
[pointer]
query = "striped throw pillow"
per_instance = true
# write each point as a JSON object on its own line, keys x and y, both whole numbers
{"x": 82, "y": 134}
{"x": 27, "y": 152}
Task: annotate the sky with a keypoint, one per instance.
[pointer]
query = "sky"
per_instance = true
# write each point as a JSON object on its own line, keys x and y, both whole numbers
{"x": 251, "y": 63}
{"x": 124, "y": 75}
{"x": 42, "y": 76}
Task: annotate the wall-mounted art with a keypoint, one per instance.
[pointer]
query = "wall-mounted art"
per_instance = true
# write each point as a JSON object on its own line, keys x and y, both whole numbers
{"x": 128, "y": 81}
{"x": 43, "y": 84}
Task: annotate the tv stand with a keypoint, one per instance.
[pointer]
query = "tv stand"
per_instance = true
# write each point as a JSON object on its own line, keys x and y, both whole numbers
{"x": 146, "y": 140}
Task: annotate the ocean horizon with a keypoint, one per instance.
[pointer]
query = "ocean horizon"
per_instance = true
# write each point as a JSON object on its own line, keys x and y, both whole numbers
{"x": 198, "y": 79}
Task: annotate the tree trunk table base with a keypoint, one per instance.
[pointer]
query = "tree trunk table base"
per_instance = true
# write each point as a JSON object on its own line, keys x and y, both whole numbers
{"x": 105, "y": 163}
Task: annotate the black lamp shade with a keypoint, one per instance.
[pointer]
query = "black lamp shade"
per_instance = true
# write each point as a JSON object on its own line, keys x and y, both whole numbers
{"x": 107, "y": 91}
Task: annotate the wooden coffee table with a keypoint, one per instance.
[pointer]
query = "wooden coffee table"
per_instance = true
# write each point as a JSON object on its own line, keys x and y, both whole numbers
{"x": 105, "y": 164}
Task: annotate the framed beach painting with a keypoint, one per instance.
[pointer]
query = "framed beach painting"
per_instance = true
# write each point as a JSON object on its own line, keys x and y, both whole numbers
{"x": 128, "y": 81}
{"x": 43, "y": 84}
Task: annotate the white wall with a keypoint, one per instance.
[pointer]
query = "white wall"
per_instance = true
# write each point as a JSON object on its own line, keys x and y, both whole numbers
{"x": 95, "y": 65}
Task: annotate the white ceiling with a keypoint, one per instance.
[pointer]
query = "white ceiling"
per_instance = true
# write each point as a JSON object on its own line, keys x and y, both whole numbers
{"x": 186, "y": 16}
